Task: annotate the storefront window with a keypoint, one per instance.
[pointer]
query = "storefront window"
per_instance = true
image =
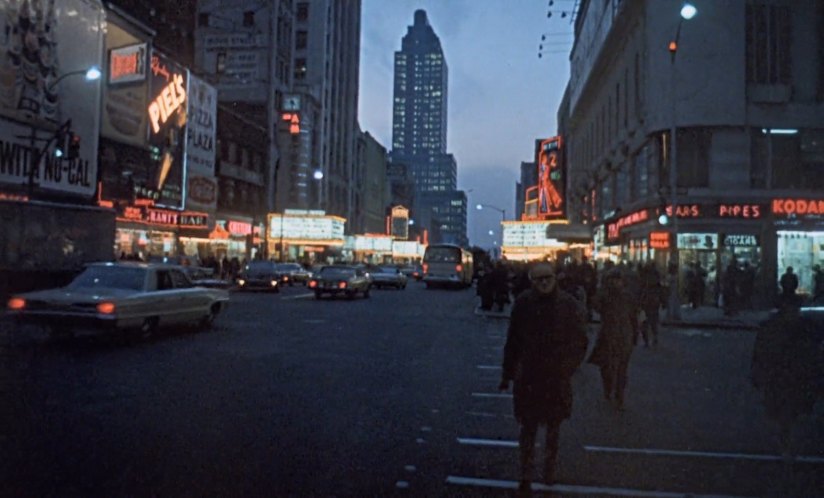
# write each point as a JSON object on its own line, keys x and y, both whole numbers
{"x": 802, "y": 251}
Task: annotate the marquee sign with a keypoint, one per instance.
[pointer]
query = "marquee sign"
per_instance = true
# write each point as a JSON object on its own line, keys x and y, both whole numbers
{"x": 306, "y": 227}
{"x": 164, "y": 217}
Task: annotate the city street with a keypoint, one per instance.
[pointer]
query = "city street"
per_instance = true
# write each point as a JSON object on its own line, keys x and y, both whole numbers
{"x": 391, "y": 395}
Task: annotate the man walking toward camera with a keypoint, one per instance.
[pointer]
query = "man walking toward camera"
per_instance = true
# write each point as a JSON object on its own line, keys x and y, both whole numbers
{"x": 546, "y": 342}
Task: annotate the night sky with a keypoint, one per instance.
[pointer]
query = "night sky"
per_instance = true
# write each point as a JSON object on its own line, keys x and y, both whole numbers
{"x": 501, "y": 95}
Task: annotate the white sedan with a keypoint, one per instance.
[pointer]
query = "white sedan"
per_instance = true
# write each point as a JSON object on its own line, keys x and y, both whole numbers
{"x": 139, "y": 297}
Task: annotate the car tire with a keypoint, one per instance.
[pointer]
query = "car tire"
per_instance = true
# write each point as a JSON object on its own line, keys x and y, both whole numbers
{"x": 366, "y": 293}
{"x": 318, "y": 295}
{"x": 147, "y": 329}
{"x": 208, "y": 321}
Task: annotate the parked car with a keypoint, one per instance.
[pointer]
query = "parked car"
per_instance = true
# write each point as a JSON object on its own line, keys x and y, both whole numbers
{"x": 388, "y": 276}
{"x": 412, "y": 271}
{"x": 205, "y": 277}
{"x": 293, "y": 273}
{"x": 139, "y": 297}
{"x": 260, "y": 275}
{"x": 340, "y": 279}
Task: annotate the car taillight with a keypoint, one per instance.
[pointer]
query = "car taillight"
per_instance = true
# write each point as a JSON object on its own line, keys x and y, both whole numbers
{"x": 341, "y": 285}
{"x": 313, "y": 284}
{"x": 105, "y": 308}
{"x": 425, "y": 268}
{"x": 458, "y": 268}
{"x": 16, "y": 303}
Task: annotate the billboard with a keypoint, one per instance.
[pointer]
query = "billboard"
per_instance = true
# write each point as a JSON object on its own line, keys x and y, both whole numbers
{"x": 306, "y": 227}
{"x": 164, "y": 180}
{"x": 551, "y": 179}
{"x": 46, "y": 50}
{"x": 201, "y": 136}
{"x": 125, "y": 91}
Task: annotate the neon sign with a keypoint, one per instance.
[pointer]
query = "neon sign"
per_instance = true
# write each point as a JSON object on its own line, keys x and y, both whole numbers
{"x": 167, "y": 102}
{"x": 797, "y": 206}
{"x": 750, "y": 211}
{"x": 127, "y": 64}
{"x": 659, "y": 240}
{"x": 550, "y": 179}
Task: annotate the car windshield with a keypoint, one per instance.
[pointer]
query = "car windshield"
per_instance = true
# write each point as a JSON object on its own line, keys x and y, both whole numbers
{"x": 387, "y": 269}
{"x": 288, "y": 267}
{"x": 110, "y": 277}
{"x": 336, "y": 272}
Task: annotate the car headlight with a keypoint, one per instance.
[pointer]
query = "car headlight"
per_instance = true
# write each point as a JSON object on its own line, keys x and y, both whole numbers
{"x": 241, "y": 282}
{"x": 273, "y": 283}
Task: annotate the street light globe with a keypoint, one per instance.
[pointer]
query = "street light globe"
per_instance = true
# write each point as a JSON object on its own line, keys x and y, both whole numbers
{"x": 479, "y": 207}
{"x": 688, "y": 11}
{"x": 663, "y": 219}
{"x": 93, "y": 73}
{"x": 411, "y": 222}
{"x": 318, "y": 174}
{"x": 491, "y": 232}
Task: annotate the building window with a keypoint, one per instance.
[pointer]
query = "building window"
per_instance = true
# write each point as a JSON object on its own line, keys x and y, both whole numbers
{"x": 693, "y": 157}
{"x": 203, "y": 19}
{"x": 300, "y": 69}
{"x": 302, "y": 13}
{"x": 249, "y": 19}
{"x": 301, "y": 39}
{"x": 769, "y": 58}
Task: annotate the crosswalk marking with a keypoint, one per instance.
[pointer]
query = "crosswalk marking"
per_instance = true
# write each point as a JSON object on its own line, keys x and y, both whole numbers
{"x": 487, "y": 442}
{"x": 492, "y": 395}
{"x": 575, "y": 489}
{"x": 700, "y": 454}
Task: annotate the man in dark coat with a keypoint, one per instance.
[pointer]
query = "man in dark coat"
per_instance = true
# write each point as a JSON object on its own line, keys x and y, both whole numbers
{"x": 613, "y": 348}
{"x": 545, "y": 344}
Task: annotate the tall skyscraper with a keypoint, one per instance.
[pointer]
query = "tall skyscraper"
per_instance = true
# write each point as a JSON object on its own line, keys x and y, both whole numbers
{"x": 419, "y": 127}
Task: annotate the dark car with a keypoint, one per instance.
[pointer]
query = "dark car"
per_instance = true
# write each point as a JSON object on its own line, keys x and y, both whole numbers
{"x": 412, "y": 271}
{"x": 293, "y": 273}
{"x": 388, "y": 276}
{"x": 260, "y": 275}
{"x": 340, "y": 279}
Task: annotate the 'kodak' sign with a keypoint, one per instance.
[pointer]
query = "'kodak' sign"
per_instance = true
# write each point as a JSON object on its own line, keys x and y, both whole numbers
{"x": 788, "y": 207}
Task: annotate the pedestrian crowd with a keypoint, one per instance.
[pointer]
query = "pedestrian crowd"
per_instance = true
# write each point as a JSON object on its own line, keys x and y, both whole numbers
{"x": 547, "y": 340}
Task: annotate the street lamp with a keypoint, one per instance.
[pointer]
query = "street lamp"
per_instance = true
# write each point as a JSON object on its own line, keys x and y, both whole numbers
{"x": 688, "y": 11}
{"x": 502, "y": 211}
{"x": 91, "y": 74}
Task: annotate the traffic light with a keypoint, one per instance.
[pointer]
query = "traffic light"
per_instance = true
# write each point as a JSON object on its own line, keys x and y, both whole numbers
{"x": 73, "y": 151}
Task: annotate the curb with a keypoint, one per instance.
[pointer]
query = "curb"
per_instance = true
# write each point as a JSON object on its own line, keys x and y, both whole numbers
{"x": 703, "y": 325}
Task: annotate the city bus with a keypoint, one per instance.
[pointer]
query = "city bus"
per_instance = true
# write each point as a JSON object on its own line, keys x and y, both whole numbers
{"x": 447, "y": 265}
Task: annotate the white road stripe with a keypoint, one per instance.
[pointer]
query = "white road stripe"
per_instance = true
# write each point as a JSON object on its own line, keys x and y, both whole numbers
{"x": 487, "y": 442}
{"x": 299, "y": 296}
{"x": 492, "y": 395}
{"x": 488, "y": 415}
{"x": 701, "y": 454}
{"x": 575, "y": 490}
{"x": 489, "y": 367}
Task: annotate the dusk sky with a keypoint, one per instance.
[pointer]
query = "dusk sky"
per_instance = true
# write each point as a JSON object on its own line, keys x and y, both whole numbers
{"x": 501, "y": 95}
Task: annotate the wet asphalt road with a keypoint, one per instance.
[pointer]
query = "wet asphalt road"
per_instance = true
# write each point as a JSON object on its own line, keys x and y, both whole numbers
{"x": 394, "y": 395}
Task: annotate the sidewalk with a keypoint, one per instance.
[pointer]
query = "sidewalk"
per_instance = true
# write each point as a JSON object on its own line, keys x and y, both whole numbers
{"x": 712, "y": 317}
{"x": 707, "y": 317}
